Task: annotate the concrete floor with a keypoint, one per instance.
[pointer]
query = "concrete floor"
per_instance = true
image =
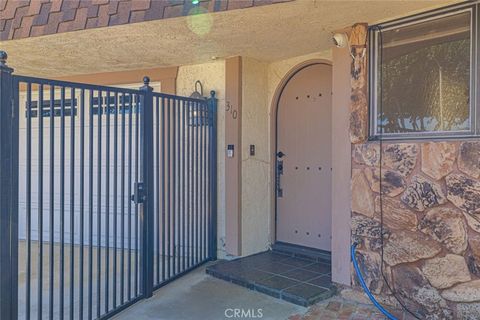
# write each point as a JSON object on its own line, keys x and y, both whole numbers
{"x": 200, "y": 296}
{"x": 193, "y": 296}
{"x": 98, "y": 300}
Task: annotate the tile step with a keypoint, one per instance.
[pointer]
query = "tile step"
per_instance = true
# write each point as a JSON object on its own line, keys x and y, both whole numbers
{"x": 302, "y": 252}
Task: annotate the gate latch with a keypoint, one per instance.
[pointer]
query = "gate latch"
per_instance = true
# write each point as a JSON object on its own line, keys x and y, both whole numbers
{"x": 139, "y": 195}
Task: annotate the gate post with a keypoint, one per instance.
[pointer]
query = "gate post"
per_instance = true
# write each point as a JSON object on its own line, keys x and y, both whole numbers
{"x": 147, "y": 178}
{"x": 8, "y": 193}
{"x": 212, "y": 111}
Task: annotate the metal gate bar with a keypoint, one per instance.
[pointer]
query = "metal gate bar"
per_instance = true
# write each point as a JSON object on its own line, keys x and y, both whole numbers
{"x": 76, "y": 181}
{"x": 8, "y": 193}
{"x": 185, "y": 161}
{"x": 70, "y": 100}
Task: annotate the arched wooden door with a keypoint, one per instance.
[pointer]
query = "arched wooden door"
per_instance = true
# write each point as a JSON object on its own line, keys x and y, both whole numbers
{"x": 303, "y": 167}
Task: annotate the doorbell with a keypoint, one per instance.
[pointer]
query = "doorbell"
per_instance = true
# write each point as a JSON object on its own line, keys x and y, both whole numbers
{"x": 230, "y": 149}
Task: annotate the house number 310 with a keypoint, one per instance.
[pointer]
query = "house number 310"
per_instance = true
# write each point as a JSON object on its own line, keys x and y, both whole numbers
{"x": 231, "y": 110}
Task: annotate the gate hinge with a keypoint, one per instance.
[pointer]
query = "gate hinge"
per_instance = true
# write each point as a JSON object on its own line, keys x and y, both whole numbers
{"x": 139, "y": 195}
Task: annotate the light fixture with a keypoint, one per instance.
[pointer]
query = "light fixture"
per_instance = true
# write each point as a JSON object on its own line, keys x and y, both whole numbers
{"x": 198, "y": 94}
{"x": 194, "y": 2}
{"x": 340, "y": 40}
{"x": 198, "y": 113}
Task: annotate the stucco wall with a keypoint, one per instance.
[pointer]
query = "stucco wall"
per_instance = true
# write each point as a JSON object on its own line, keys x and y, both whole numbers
{"x": 260, "y": 80}
{"x": 260, "y": 83}
{"x": 212, "y": 76}
{"x": 341, "y": 167}
{"x": 256, "y": 184}
{"x": 277, "y": 70}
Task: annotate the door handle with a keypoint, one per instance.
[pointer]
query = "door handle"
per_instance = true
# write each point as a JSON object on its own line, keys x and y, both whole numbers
{"x": 279, "y": 173}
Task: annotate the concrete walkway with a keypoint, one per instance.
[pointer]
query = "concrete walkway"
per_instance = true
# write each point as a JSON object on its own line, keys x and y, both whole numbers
{"x": 200, "y": 296}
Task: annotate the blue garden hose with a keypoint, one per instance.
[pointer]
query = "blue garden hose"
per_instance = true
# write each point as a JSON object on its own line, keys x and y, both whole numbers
{"x": 364, "y": 286}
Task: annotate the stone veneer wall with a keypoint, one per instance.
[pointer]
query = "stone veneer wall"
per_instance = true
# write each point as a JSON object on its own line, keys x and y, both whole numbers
{"x": 430, "y": 196}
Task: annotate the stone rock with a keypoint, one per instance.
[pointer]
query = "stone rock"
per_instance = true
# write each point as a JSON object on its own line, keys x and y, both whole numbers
{"x": 362, "y": 197}
{"x": 463, "y": 292}
{"x": 358, "y": 116}
{"x": 473, "y": 263}
{"x": 374, "y": 244}
{"x": 392, "y": 183}
{"x": 447, "y": 271}
{"x": 464, "y": 192}
{"x": 468, "y": 311}
{"x": 401, "y": 157}
{"x": 473, "y": 254}
{"x": 358, "y": 84}
{"x": 410, "y": 283}
{"x": 438, "y": 159}
{"x": 359, "y": 296}
{"x": 405, "y": 246}
{"x": 395, "y": 214}
{"x": 422, "y": 193}
{"x": 474, "y": 242}
{"x": 447, "y": 226}
{"x": 370, "y": 266}
{"x": 365, "y": 227}
{"x": 469, "y": 158}
{"x": 367, "y": 153}
{"x": 367, "y": 232}
{"x": 357, "y": 39}
{"x": 473, "y": 221}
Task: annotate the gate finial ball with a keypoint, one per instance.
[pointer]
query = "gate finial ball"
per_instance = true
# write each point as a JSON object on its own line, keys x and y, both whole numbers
{"x": 146, "y": 80}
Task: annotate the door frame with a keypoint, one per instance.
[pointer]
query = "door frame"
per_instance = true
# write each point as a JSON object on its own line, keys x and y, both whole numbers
{"x": 274, "y": 133}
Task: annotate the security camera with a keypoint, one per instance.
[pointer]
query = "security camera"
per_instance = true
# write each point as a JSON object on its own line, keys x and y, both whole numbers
{"x": 340, "y": 40}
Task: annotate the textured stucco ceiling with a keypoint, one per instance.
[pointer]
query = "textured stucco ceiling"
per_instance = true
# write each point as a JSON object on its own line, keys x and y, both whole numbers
{"x": 266, "y": 33}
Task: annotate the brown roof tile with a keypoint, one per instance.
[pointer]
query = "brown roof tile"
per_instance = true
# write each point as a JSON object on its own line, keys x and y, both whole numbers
{"x": 31, "y": 18}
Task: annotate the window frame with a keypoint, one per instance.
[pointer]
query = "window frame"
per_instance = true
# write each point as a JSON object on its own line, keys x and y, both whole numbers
{"x": 373, "y": 38}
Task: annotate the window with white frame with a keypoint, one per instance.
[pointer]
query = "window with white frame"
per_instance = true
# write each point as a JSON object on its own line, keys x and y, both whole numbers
{"x": 422, "y": 76}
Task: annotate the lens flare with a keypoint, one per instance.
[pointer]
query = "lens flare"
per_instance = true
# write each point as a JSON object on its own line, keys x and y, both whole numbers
{"x": 199, "y": 21}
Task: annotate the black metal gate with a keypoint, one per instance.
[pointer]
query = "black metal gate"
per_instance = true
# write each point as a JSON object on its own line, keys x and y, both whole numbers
{"x": 116, "y": 195}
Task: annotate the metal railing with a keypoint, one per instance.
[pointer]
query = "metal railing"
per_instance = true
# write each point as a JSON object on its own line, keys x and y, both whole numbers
{"x": 116, "y": 195}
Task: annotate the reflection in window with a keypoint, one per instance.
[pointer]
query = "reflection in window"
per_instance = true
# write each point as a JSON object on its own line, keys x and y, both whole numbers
{"x": 424, "y": 77}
